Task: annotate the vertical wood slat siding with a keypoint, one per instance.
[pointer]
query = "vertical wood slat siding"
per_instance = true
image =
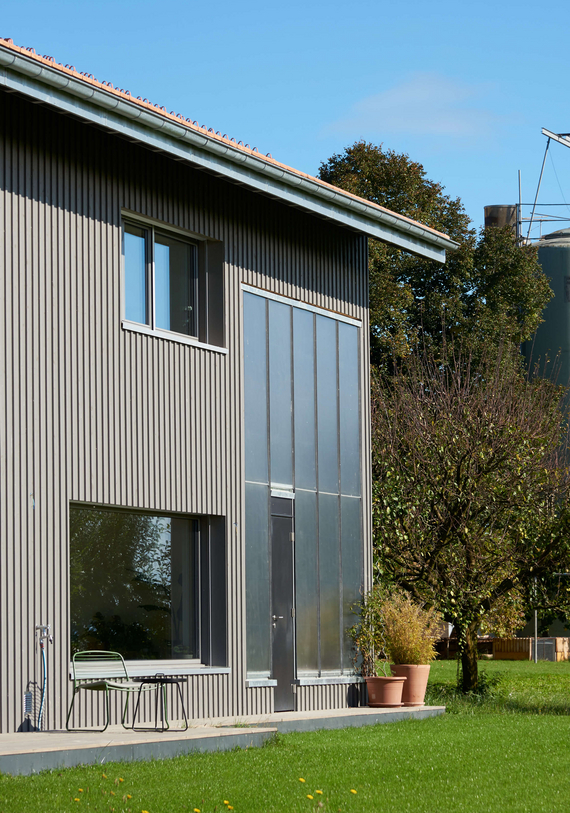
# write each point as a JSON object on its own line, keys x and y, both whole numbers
{"x": 91, "y": 413}
{"x": 317, "y": 698}
{"x": 259, "y": 701}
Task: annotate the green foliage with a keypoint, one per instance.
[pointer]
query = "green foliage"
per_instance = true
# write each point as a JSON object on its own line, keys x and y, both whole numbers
{"x": 489, "y": 291}
{"x": 392, "y": 627}
{"x": 410, "y": 631}
{"x": 470, "y": 489}
{"x": 367, "y": 635}
{"x": 506, "y": 616}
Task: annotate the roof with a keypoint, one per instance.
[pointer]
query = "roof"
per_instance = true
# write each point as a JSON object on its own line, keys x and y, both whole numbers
{"x": 556, "y": 239}
{"x": 80, "y": 94}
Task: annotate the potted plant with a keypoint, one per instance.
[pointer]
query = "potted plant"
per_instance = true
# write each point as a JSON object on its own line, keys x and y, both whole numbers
{"x": 384, "y": 690}
{"x": 410, "y": 632}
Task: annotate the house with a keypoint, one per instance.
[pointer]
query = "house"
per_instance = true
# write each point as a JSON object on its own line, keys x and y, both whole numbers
{"x": 184, "y": 419}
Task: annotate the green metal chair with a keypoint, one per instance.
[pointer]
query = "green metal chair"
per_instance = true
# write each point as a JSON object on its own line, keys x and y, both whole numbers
{"x": 102, "y": 671}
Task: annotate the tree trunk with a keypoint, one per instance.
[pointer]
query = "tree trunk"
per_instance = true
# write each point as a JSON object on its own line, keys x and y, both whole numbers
{"x": 469, "y": 673}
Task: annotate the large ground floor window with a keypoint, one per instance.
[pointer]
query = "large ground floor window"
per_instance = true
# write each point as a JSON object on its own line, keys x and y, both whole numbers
{"x": 141, "y": 584}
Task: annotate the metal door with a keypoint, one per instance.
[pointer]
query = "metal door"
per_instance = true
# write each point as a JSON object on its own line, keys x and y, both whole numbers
{"x": 282, "y": 602}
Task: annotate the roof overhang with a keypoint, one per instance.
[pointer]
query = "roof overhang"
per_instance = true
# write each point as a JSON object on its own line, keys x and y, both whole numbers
{"x": 92, "y": 103}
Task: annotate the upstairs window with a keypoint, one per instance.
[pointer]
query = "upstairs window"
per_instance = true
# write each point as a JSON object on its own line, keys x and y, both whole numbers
{"x": 173, "y": 284}
{"x": 161, "y": 280}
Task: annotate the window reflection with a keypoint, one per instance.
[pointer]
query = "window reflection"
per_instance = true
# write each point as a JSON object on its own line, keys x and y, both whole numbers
{"x": 135, "y": 275}
{"x": 175, "y": 286}
{"x": 133, "y": 583}
{"x": 161, "y": 280}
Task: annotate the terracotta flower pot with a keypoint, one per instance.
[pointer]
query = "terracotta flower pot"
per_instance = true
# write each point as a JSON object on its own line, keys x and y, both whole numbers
{"x": 416, "y": 684}
{"x": 384, "y": 692}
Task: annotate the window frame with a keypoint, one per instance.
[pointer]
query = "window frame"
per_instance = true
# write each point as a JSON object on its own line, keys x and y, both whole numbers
{"x": 205, "y": 578}
{"x": 202, "y": 249}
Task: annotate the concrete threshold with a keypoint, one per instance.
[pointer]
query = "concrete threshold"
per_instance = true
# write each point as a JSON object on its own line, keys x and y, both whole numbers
{"x": 32, "y": 752}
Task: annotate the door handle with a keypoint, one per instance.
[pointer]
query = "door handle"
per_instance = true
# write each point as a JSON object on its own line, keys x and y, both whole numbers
{"x": 276, "y": 617}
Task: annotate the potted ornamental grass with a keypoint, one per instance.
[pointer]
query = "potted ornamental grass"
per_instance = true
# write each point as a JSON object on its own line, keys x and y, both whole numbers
{"x": 384, "y": 689}
{"x": 394, "y": 629}
{"x": 410, "y": 633}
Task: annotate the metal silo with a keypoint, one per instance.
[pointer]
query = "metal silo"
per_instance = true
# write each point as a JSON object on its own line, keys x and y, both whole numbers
{"x": 501, "y": 216}
{"x": 553, "y": 335}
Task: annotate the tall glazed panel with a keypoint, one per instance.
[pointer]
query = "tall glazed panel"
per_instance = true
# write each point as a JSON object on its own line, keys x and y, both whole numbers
{"x": 327, "y": 400}
{"x": 306, "y": 569}
{"x": 349, "y": 409}
{"x": 280, "y": 394}
{"x": 255, "y": 388}
{"x": 352, "y": 569}
{"x": 257, "y": 578}
{"x": 329, "y": 582}
{"x": 304, "y": 386}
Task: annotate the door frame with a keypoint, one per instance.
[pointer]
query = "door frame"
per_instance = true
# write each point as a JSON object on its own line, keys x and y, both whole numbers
{"x": 285, "y": 500}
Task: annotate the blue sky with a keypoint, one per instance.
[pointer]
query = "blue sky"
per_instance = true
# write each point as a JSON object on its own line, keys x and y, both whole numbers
{"x": 462, "y": 88}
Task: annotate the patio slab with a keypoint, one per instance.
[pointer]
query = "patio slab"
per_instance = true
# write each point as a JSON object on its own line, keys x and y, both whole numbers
{"x": 32, "y": 752}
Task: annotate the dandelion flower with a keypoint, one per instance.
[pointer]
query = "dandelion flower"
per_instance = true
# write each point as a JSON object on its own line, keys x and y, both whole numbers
{"x": 104, "y": 775}
{"x": 76, "y": 799}
{"x": 144, "y": 811}
{"x": 230, "y": 807}
{"x": 226, "y": 802}
{"x": 121, "y": 780}
{"x": 112, "y": 793}
{"x": 80, "y": 790}
{"x": 352, "y": 790}
{"x": 301, "y": 779}
{"x": 319, "y": 792}
{"x": 309, "y": 796}
{"x": 196, "y": 810}
{"x": 129, "y": 796}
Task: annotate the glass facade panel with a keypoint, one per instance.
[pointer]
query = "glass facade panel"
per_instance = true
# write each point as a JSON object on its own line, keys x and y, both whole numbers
{"x": 133, "y": 583}
{"x": 304, "y": 386}
{"x": 175, "y": 286}
{"x": 313, "y": 392}
{"x": 280, "y": 416}
{"x": 352, "y": 567}
{"x": 306, "y": 581}
{"x": 327, "y": 427}
{"x": 349, "y": 405}
{"x": 257, "y": 577}
{"x": 329, "y": 582}
{"x": 255, "y": 381}
{"x": 135, "y": 275}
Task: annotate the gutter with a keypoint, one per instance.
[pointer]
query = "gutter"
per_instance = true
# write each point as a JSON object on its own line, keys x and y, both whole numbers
{"x": 63, "y": 89}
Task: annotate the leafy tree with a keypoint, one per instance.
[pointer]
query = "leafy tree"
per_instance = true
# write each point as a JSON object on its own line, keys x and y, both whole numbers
{"x": 490, "y": 290}
{"x": 470, "y": 489}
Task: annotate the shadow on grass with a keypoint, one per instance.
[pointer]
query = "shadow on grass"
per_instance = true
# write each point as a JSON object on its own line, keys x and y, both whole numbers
{"x": 493, "y": 699}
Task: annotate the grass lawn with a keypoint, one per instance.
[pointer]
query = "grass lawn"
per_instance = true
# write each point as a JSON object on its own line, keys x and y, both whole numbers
{"x": 508, "y": 751}
{"x": 512, "y": 687}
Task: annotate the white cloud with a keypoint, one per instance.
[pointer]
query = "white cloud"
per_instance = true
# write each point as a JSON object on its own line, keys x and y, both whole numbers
{"x": 424, "y": 104}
